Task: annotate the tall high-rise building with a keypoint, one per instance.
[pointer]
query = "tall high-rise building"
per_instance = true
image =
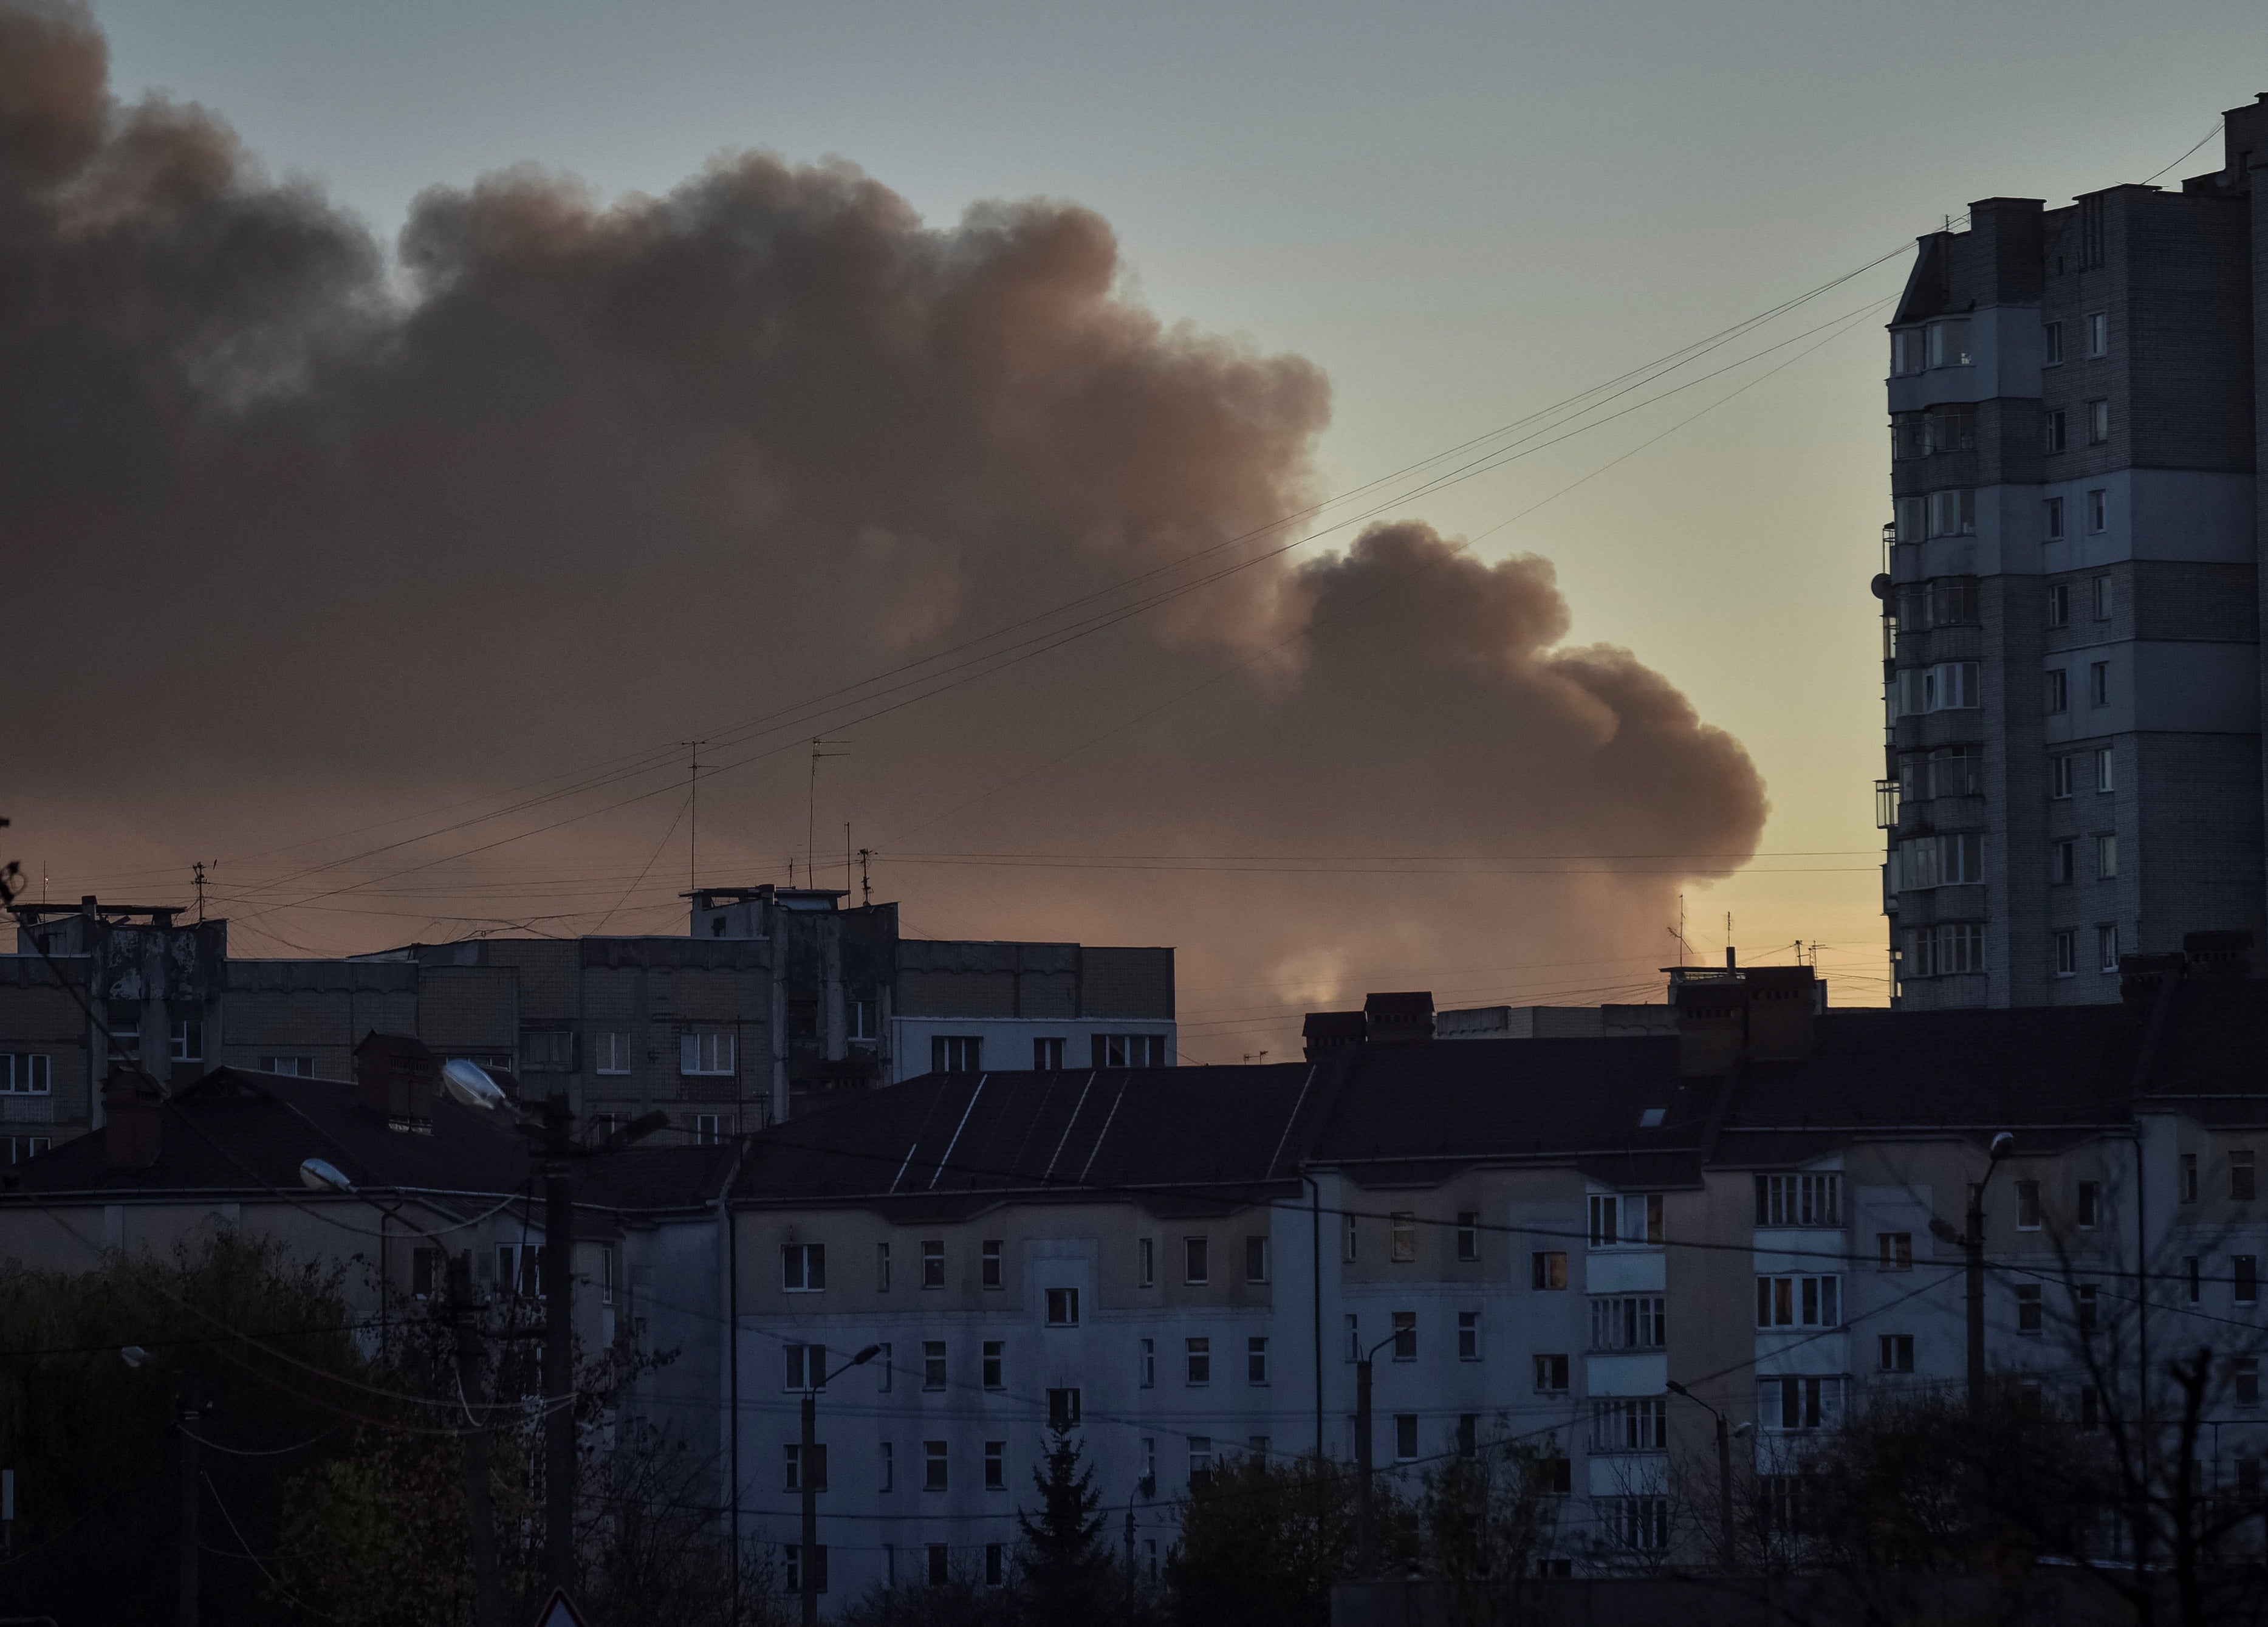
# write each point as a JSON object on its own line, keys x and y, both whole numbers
{"x": 2072, "y": 601}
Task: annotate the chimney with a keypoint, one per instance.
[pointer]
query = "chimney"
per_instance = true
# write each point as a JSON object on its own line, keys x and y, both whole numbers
{"x": 2221, "y": 955}
{"x": 2140, "y": 976}
{"x": 1711, "y": 1025}
{"x": 397, "y": 1078}
{"x": 1389, "y": 1019}
{"x": 1326, "y": 1031}
{"x": 131, "y": 1135}
{"x": 1782, "y": 1007}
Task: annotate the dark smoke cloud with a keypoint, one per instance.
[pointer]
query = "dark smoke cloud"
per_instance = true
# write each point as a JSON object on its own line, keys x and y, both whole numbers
{"x": 302, "y": 534}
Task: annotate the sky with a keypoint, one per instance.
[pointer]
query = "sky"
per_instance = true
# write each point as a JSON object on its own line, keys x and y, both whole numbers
{"x": 1457, "y": 216}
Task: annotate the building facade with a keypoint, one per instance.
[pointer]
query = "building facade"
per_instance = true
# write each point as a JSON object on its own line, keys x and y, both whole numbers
{"x": 2070, "y": 597}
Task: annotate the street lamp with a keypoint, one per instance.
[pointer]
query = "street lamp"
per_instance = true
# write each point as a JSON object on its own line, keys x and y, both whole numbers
{"x": 1365, "y": 1526}
{"x": 1972, "y": 1244}
{"x": 1724, "y": 1468}
{"x": 808, "y": 1465}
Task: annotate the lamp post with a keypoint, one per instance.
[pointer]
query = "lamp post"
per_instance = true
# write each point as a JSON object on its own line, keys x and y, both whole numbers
{"x": 1972, "y": 1246}
{"x": 1724, "y": 1470}
{"x": 1142, "y": 1489}
{"x": 1365, "y": 1525}
{"x": 809, "y": 1470}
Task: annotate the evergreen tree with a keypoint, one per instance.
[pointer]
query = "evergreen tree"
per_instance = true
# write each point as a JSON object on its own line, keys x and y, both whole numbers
{"x": 1064, "y": 1567}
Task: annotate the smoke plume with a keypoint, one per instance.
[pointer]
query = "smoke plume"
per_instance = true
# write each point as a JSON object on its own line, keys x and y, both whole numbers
{"x": 304, "y": 536}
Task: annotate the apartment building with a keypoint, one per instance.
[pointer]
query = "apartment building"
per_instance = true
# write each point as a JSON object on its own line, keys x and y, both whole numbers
{"x": 774, "y": 1001}
{"x": 2071, "y": 594}
{"x": 1533, "y": 1238}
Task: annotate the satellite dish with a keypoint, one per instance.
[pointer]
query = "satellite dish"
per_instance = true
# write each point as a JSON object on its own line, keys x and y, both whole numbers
{"x": 321, "y": 1175}
{"x": 133, "y": 1355}
{"x": 470, "y": 1084}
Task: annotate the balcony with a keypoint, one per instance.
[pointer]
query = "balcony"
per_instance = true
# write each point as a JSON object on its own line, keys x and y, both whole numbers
{"x": 1886, "y": 804}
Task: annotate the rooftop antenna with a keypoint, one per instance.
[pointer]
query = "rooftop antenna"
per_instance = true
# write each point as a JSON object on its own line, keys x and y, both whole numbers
{"x": 693, "y": 812}
{"x": 865, "y": 887}
{"x": 810, "y": 810}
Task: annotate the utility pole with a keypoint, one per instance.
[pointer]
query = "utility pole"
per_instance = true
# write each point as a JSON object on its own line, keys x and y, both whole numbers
{"x": 197, "y": 874}
{"x": 866, "y": 886}
{"x": 1724, "y": 1471}
{"x": 1366, "y": 1533}
{"x": 811, "y": 811}
{"x": 558, "y": 1280}
{"x": 807, "y": 1472}
{"x": 693, "y": 814}
{"x": 464, "y": 1321}
{"x": 189, "y": 1413}
{"x": 1971, "y": 1241}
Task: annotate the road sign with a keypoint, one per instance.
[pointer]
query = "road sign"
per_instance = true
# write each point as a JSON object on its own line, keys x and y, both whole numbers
{"x": 560, "y": 1612}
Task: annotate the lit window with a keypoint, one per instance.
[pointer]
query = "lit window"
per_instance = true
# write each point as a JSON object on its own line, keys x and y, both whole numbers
{"x": 1550, "y": 1270}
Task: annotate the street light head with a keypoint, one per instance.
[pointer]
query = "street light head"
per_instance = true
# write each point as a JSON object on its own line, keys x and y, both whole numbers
{"x": 322, "y": 1175}
{"x": 865, "y": 1356}
{"x": 470, "y": 1084}
{"x": 133, "y": 1355}
{"x": 2003, "y": 1144}
{"x": 1744, "y": 1429}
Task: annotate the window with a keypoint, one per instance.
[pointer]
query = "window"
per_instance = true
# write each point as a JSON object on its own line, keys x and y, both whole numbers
{"x": 2058, "y": 690}
{"x": 2089, "y": 1205}
{"x": 1626, "y": 1425}
{"x": 1063, "y": 1308}
{"x": 2066, "y": 953}
{"x": 32, "y": 1076}
{"x": 1405, "y": 1335}
{"x": 2058, "y": 603}
{"x": 2098, "y": 683}
{"x": 519, "y": 1270}
{"x": 2028, "y": 1308}
{"x": 2190, "y": 1270}
{"x": 1550, "y": 1270}
{"x": 2098, "y": 511}
{"x": 996, "y": 1470}
{"x": 186, "y": 1042}
{"x": 2053, "y": 333}
{"x": 2106, "y": 948}
{"x": 1639, "y": 1523}
{"x": 705, "y": 1051}
{"x": 546, "y": 1050}
{"x": 1909, "y": 525}
{"x": 1551, "y": 1375}
{"x": 933, "y": 1262}
{"x": 1146, "y": 1263}
{"x": 2188, "y": 1178}
{"x": 860, "y": 1017}
{"x": 1469, "y": 1236}
{"x": 2246, "y": 1270}
{"x": 933, "y": 1364}
{"x": 1951, "y": 771}
{"x": 289, "y": 1067}
{"x": 1948, "y": 343}
{"x": 1800, "y": 1200}
{"x": 940, "y": 1570}
{"x": 956, "y": 1053}
{"x": 2098, "y": 423}
{"x": 1047, "y": 1056}
{"x": 24, "y": 1148}
{"x": 1130, "y": 1051}
{"x": 2102, "y": 598}
{"x": 2241, "y": 1175}
{"x": 793, "y": 1552}
{"x": 933, "y": 1465}
{"x": 1255, "y": 1259}
{"x": 992, "y": 1363}
{"x": 803, "y": 1267}
{"x": 1948, "y": 950}
{"x": 2052, "y": 524}
{"x": 1628, "y": 1322}
{"x": 1798, "y": 1301}
{"x": 1606, "y": 1230}
{"x": 988, "y": 1266}
{"x": 1897, "y": 1250}
{"x": 805, "y": 1365}
{"x": 2060, "y": 776}
{"x": 1149, "y": 1364}
{"x": 2056, "y": 425}
{"x": 886, "y": 1472}
{"x": 996, "y": 1563}
{"x": 1469, "y": 1336}
{"x": 606, "y": 1273}
{"x": 1352, "y": 1246}
{"x": 1405, "y": 1437}
{"x": 1354, "y": 1337}
{"x": 1200, "y": 1459}
{"x": 1799, "y": 1401}
{"x": 1196, "y": 1268}
{"x": 817, "y": 1466}
{"x": 2088, "y": 1307}
{"x": 1906, "y": 352}
{"x": 882, "y": 1268}
{"x": 1404, "y": 1249}
{"x": 708, "y": 1130}
{"x": 2062, "y": 862}
{"x": 2098, "y": 333}
{"x": 2027, "y": 1205}
{"x": 2244, "y": 1381}
{"x": 1952, "y": 513}
{"x": 1897, "y": 1352}
{"x": 1256, "y": 1359}
{"x": 1949, "y": 685}
{"x": 1199, "y": 1357}
{"x": 2103, "y": 769}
